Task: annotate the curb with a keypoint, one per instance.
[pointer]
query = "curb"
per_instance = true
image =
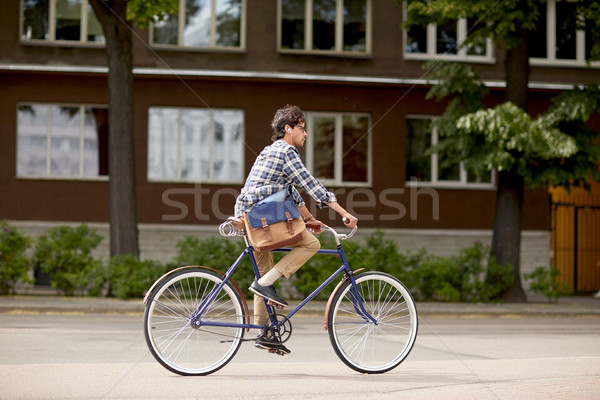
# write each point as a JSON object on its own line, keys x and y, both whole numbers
{"x": 572, "y": 307}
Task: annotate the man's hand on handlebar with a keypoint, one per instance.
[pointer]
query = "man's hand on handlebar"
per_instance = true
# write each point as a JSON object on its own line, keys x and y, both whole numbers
{"x": 350, "y": 220}
{"x": 315, "y": 226}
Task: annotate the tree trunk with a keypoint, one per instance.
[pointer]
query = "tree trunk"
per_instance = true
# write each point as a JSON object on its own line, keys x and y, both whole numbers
{"x": 121, "y": 157}
{"x": 506, "y": 241}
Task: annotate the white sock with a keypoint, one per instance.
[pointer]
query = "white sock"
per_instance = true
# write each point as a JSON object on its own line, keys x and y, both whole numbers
{"x": 270, "y": 277}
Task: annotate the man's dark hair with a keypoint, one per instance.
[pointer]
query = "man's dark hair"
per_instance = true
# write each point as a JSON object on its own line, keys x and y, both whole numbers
{"x": 287, "y": 115}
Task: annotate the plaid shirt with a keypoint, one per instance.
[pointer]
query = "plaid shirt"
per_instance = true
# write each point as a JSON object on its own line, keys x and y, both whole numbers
{"x": 276, "y": 168}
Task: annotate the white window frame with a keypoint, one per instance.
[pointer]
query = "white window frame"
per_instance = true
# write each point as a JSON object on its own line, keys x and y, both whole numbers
{"x": 461, "y": 183}
{"x": 550, "y": 59}
{"x": 52, "y": 28}
{"x": 213, "y": 32}
{"x": 461, "y": 53}
{"x": 339, "y": 32}
{"x": 338, "y": 148}
{"x": 47, "y": 174}
{"x": 180, "y": 143}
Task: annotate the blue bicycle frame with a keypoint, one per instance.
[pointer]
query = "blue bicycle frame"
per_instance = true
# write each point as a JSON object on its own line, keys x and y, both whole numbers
{"x": 196, "y": 319}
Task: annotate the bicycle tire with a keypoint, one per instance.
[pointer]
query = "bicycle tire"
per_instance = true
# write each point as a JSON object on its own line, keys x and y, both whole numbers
{"x": 363, "y": 345}
{"x": 174, "y": 342}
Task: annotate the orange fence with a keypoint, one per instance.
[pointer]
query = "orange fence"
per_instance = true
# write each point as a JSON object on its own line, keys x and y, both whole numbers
{"x": 576, "y": 238}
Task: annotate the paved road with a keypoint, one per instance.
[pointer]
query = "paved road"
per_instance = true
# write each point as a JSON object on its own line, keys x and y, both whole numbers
{"x": 68, "y": 356}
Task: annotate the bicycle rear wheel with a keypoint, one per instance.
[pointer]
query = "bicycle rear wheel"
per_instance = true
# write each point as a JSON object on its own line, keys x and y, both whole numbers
{"x": 174, "y": 342}
{"x": 364, "y": 345}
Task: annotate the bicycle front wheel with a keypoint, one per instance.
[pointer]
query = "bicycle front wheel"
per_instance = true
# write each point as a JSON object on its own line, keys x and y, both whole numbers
{"x": 369, "y": 346}
{"x": 179, "y": 345}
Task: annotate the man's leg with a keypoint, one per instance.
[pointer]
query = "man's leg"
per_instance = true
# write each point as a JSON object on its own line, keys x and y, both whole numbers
{"x": 301, "y": 252}
{"x": 264, "y": 260}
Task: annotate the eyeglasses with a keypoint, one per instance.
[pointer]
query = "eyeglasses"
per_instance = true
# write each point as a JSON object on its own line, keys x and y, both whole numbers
{"x": 302, "y": 128}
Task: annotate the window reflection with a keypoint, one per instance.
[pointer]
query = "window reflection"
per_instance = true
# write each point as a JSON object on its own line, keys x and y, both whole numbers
{"x": 323, "y": 131}
{"x": 355, "y": 148}
{"x": 478, "y": 48}
{"x": 416, "y": 39}
{"x": 162, "y": 142}
{"x": 343, "y": 31}
{"x": 195, "y": 144}
{"x": 206, "y": 23}
{"x": 292, "y": 24}
{"x": 355, "y": 25}
{"x": 324, "y": 24}
{"x": 229, "y": 16}
{"x": 62, "y": 141}
{"x": 166, "y": 31}
{"x": 68, "y": 20}
{"x": 539, "y": 37}
{"x": 566, "y": 47}
{"x": 427, "y": 167}
{"x": 94, "y": 29}
{"x": 446, "y": 38}
{"x": 418, "y": 141}
{"x": 197, "y": 23}
{"x": 35, "y": 19}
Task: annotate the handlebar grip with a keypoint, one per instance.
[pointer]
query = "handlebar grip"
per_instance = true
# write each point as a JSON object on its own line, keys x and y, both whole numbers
{"x": 345, "y": 220}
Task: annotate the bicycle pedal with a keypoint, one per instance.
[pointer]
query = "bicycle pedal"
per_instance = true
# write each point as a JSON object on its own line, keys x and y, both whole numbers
{"x": 277, "y": 306}
{"x": 277, "y": 351}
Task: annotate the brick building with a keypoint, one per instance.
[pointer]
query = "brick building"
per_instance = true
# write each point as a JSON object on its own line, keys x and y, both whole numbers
{"x": 207, "y": 83}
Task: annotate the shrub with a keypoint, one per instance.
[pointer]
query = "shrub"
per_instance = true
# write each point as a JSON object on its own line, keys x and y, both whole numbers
{"x": 461, "y": 277}
{"x": 131, "y": 277}
{"x": 14, "y": 264}
{"x": 544, "y": 280}
{"x": 65, "y": 253}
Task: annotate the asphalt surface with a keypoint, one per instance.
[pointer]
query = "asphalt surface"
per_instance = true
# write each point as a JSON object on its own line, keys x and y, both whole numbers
{"x": 565, "y": 306}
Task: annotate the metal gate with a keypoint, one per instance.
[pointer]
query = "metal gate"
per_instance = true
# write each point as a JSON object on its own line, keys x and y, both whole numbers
{"x": 576, "y": 240}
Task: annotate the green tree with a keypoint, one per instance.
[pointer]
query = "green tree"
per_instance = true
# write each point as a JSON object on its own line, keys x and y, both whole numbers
{"x": 116, "y": 18}
{"x": 510, "y": 24}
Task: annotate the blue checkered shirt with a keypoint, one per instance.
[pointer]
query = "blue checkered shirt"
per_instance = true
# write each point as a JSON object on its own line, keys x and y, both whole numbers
{"x": 276, "y": 168}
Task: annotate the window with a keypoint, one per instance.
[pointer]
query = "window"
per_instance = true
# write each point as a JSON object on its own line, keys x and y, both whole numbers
{"x": 434, "y": 40}
{"x": 426, "y": 169}
{"x": 62, "y": 141}
{"x": 556, "y": 42}
{"x": 64, "y": 21}
{"x": 197, "y": 145}
{"x": 338, "y": 147}
{"x": 325, "y": 26}
{"x": 217, "y": 24}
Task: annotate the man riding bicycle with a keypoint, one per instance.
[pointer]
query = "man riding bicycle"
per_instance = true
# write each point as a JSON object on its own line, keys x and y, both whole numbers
{"x": 276, "y": 169}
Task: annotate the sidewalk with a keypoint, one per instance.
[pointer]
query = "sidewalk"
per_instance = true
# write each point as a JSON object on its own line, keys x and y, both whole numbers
{"x": 538, "y": 306}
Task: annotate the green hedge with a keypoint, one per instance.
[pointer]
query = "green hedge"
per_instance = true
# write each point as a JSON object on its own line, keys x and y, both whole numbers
{"x": 65, "y": 253}
{"x": 14, "y": 263}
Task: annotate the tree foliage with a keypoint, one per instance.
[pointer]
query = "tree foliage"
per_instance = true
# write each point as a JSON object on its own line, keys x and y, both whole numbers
{"x": 555, "y": 148}
{"x": 145, "y": 11}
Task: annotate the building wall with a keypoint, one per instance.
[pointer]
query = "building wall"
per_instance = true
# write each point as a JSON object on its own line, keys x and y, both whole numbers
{"x": 386, "y": 203}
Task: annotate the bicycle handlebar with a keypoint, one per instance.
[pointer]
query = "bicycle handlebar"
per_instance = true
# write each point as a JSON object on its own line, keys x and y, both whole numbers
{"x": 229, "y": 229}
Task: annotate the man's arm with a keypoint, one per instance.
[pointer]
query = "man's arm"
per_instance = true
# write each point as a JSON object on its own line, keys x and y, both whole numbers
{"x": 350, "y": 221}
